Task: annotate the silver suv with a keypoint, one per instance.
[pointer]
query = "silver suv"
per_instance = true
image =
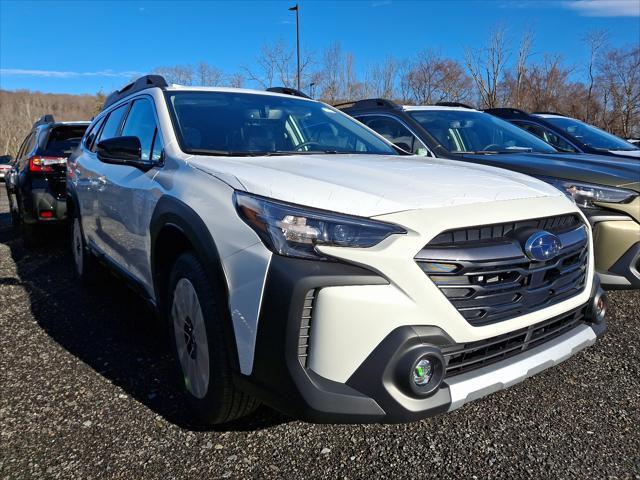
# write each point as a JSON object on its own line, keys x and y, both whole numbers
{"x": 304, "y": 261}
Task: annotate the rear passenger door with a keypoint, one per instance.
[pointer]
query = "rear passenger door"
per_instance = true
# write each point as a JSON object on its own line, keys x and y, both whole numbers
{"x": 131, "y": 194}
{"x": 88, "y": 175}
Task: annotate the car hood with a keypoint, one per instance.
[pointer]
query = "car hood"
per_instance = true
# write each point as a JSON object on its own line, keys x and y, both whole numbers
{"x": 370, "y": 185}
{"x": 598, "y": 169}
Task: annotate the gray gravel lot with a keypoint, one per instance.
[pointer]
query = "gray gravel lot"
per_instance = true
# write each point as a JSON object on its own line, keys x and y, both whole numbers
{"x": 84, "y": 395}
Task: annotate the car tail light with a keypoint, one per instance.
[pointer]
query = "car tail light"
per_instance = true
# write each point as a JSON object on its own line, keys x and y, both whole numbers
{"x": 46, "y": 214}
{"x": 45, "y": 164}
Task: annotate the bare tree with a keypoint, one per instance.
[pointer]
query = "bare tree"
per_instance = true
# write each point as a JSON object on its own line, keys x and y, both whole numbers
{"x": 620, "y": 78}
{"x": 595, "y": 40}
{"x": 276, "y": 64}
{"x": 179, "y": 74}
{"x": 20, "y": 108}
{"x": 486, "y": 66}
{"x": 432, "y": 78}
{"x": 208, "y": 76}
{"x": 524, "y": 52}
{"x": 380, "y": 80}
{"x": 236, "y": 80}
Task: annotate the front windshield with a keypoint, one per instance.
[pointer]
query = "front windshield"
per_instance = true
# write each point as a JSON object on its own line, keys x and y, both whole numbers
{"x": 471, "y": 131}
{"x": 237, "y": 123}
{"x": 590, "y": 135}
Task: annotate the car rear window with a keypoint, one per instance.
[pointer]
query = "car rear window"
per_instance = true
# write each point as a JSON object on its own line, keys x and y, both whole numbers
{"x": 63, "y": 140}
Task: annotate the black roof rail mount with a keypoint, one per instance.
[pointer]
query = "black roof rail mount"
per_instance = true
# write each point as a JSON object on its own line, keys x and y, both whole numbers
{"x": 44, "y": 119}
{"x": 508, "y": 110}
{"x": 142, "y": 83}
{"x": 288, "y": 91}
{"x": 454, "y": 104}
{"x": 368, "y": 103}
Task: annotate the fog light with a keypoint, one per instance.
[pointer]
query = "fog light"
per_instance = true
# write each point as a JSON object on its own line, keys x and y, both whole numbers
{"x": 423, "y": 372}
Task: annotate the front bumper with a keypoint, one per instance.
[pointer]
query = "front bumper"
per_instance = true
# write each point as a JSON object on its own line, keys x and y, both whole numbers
{"x": 284, "y": 378}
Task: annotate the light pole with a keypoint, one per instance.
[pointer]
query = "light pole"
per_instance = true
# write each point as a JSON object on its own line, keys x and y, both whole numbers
{"x": 311, "y": 85}
{"x": 297, "y": 10}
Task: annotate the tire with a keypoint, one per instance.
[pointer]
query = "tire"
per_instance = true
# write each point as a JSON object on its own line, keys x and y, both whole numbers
{"x": 198, "y": 335}
{"x": 84, "y": 263}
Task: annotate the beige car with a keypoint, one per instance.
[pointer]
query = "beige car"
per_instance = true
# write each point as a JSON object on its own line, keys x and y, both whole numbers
{"x": 616, "y": 234}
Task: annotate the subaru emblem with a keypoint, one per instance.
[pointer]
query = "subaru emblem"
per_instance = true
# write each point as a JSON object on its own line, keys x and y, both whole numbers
{"x": 542, "y": 246}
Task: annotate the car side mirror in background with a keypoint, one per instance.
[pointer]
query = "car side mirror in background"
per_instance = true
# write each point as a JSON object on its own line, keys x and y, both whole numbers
{"x": 122, "y": 151}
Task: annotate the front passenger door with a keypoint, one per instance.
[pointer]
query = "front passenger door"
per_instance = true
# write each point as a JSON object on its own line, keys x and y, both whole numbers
{"x": 133, "y": 195}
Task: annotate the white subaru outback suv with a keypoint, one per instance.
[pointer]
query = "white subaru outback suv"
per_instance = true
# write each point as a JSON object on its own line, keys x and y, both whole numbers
{"x": 305, "y": 262}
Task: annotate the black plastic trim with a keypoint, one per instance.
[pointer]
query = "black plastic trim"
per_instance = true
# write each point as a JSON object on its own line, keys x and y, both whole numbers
{"x": 381, "y": 377}
{"x": 278, "y": 378}
{"x": 628, "y": 266}
{"x": 142, "y": 83}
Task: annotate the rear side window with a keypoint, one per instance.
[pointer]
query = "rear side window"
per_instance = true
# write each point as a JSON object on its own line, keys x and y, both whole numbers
{"x": 548, "y": 136}
{"x": 112, "y": 124}
{"x": 30, "y": 143}
{"x": 92, "y": 134}
{"x": 63, "y": 140}
{"x": 141, "y": 123}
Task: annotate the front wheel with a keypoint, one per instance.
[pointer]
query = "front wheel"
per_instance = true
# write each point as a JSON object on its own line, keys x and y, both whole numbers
{"x": 200, "y": 347}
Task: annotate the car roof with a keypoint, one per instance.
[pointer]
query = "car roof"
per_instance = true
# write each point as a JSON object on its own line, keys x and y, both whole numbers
{"x": 416, "y": 108}
{"x": 188, "y": 88}
{"x": 548, "y": 115}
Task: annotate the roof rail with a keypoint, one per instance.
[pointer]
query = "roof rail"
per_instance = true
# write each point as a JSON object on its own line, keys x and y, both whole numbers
{"x": 549, "y": 113}
{"x": 288, "y": 91}
{"x": 507, "y": 110}
{"x": 142, "y": 83}
{"x": 43, "y": 120}
{"x": 454, "y": 104}
{"x": 367, "y": 103}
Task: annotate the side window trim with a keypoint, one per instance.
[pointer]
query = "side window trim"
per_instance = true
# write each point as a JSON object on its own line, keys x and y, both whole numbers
{"x": 401, "y": 122}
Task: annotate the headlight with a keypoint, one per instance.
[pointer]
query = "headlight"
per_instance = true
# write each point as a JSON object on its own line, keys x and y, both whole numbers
{"x": 586, "y": 194}
{"x": 295, "y": 231}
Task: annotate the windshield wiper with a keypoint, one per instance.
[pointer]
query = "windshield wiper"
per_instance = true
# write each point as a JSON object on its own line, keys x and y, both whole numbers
{"x": 218, "y": 153}
{"x": 305, "y": 152}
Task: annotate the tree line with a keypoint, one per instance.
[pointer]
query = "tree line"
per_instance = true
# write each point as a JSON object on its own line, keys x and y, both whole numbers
{"x": 502, "y": 71}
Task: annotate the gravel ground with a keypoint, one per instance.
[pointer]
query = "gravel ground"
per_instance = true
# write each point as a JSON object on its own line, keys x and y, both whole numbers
{"x": 83, "y": 395}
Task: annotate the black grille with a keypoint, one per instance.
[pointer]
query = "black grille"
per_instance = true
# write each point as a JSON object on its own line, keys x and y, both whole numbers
{"x": 305, "y": 327}
{"x": 493, "y": 280}
{"x": 470, "y": 356}
{"x": 557, "y": 224}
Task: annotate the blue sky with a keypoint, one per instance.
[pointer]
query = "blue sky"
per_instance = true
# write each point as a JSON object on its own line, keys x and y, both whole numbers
{"x": 86, "y": 46}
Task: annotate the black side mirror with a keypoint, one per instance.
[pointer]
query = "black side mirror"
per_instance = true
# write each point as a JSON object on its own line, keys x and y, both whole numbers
{"x": 122, "y": 151}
